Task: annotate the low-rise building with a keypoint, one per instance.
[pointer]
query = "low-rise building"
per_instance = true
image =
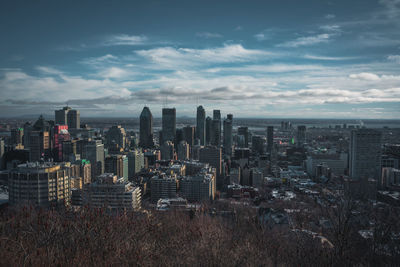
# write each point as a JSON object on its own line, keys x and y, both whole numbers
{"x": 200, "y": 187}
{"x": 113, "y": 193}
{"x": 162, "y": 186}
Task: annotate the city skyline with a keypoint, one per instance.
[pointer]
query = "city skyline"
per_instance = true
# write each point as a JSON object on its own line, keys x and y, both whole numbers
{"x": 262, "y": 60}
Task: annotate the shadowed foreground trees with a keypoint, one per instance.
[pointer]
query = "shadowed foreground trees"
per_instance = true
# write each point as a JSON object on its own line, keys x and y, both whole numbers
{"x": 94, "y": 237}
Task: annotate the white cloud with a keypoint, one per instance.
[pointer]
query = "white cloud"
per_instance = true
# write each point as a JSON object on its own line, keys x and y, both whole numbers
{"x": 239, "y": 28}
{"x": 125, "y": 39}
{"x": 309, "y": 40}
{"x": 392, "y": 8}
{"x": 329, "y": 31}
{"x": 331, "y": 28}
{"x": 315, "y": 57}
{"x": 21, "y": 86}
{"x": 48, "y": 70}
{"x": 271, "y": 68}
{"x": 266, "y": 34}
{"x": 208, "y": 35}
{"x": 261, "y": 37}
{"x": 113, "y": 72}
{"x": 190, "y": 57}
{"x": 330, "y": 16}
{"x": 365, "y": 76}
{"x": 250, "y": 82}
{"x": 395, "y": 58}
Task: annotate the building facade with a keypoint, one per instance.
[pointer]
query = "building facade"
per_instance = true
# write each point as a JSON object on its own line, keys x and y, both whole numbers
{"x": 116, "y": 135}
{"x": 201, "y": 125}
{"x": 112, "y": 193}
{"x": 68, "y": 116}
{"x": 168, "y": 124}
{"x": 146, "y": 129}
{"x": 40, "y": 184}
{"x": 162, "y": 187}
{"x": 365, "y": 154}
{"x": 228, "y": 138}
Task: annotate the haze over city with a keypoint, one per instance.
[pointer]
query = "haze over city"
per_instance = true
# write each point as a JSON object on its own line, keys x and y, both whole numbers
{"x": 271, "y": 59}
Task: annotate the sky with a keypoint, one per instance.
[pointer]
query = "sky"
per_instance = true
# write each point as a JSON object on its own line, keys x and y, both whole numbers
{"x": 266, "y": 59}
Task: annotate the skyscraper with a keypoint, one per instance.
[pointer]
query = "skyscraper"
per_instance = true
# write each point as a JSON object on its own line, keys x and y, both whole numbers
{"x": 94, "y": 152}
{"x": 167, "y": 150}
{"x": 365, "y": 154}
{"x": 17, "y": 136}
{"x": 208, "y": 130}
{"x": 257, "y": 144}
{"x": 201, "y": 125}
{"x": 61, "y": 116}
{"x": 60, "y": 134}
{"x": 215, "y": 138}
{"x": 228, "y": 135}
{"x": 189, "y": 135}
{"x": 39, "y": 140}
{"x": 301, "y": 135}
{"x": 118, "y": 165}
{"x": 216, "y": 114}
{"x": 146, "y": 128}
{"x": 244, "y": 131}
{"x": 213, "y": 156}
{"x": 168, "y": 124}
{"x": 183, "y": 150}
{"x": 135, "y": 162}
{"x": 68, "y": 116}
{"x": 116, "y": 135}
{"x": 74, "y": 119}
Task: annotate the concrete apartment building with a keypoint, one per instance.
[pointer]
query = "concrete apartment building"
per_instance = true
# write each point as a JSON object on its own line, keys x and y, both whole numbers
{"x": 40, "y": 184}
{"x": 113, "y": 193}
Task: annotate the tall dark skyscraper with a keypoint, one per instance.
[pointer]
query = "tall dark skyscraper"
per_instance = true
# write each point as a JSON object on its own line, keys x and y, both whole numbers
{"x": 216, "y": 114}
{"x": 201, "y": 125}
{"x": 216, "y": 128}
{"x": 270, "y": 138}
{"x": 189, "y": 135}
{"x": 179, "y": 136}
{"x": 215, "y": 139}
{"x": 74, "y": 119}
{"x": 39, "y": 140}
{"x": 168, "y": 124}
{"x": 208, "y": 130}
{"x": 146, "y": 128}
{"x": 68, "y": 116}
{"x": 116, "y": 135}
{"x": 244, "y": 131}
{"x": 365, "y": 154}
{"x": 228, "y": 140}
{"x": 301, "y": 135}
{"x": 94, "y": 152}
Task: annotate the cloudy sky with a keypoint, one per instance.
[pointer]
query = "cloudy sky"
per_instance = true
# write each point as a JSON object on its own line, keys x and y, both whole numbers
{"x": 297, "y": 59}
